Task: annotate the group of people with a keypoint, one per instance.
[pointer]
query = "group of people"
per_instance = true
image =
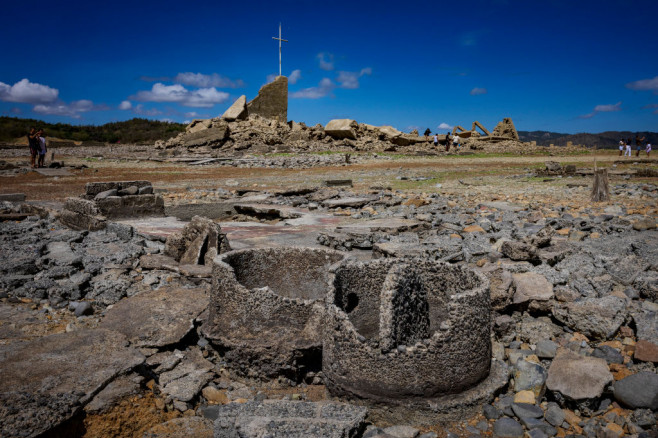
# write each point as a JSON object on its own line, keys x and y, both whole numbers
{"x": 450, "y": 139}
{"x": 37, "y": 142}
{"x": 625, "y": 147}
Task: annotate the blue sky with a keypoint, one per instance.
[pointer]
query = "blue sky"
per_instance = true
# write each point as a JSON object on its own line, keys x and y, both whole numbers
{"x": 564, "y": 66}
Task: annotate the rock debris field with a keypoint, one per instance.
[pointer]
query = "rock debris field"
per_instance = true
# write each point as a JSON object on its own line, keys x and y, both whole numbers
{"x": 138, "y": 328}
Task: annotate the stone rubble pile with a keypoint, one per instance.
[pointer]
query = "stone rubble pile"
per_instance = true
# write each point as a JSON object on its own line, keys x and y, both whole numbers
{"x": 574, "y": 311}
{"x": 257, "y": 134}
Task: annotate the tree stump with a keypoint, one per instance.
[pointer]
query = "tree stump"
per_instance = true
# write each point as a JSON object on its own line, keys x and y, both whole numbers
{"x": 600, "y": 188}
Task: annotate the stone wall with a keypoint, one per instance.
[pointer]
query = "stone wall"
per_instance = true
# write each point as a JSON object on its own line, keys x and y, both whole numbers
{"x": 272, "y": 101}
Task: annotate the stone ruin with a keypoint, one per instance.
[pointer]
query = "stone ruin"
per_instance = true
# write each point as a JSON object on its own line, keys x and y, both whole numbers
{"x": 198, "y": 243}
{"x": 266, "y": 308}
{"x": 413, "y": 333}
{"x": 262, "y": 126}
{"x": 405, "y": 331}
{"x": 103, "y": 201}
{"x": 506, "y": 129}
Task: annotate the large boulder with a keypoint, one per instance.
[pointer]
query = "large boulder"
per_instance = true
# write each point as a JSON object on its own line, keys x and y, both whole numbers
{"x": 213, "y": 136}
{"x": 341, "y": 128}
{"x": 272, "y": 101}
{"x": 237, "y": 111}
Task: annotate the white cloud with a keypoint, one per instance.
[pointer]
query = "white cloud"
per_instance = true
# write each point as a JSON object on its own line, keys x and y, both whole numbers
{"x": 607, "y": 108}
{"x": 140, "y": 110}
{"x": 25, "y": 91}
{"x": 477, "y": 91}
{"x": 644, "y": 85}
{"x": 191, "y": 114}
{"x": 326, "y": 61}
{"x": 207, "y": 81}
{"x": 323, "y": 89}
{"x": 125, "y": 105}
{"x": 444, "y": 125}
{"x": 602, "y": 109}
{"x": 295, "y": 75}
{"x": 350, "y": 79}
{"x": 72, "y": 109}
{"x": 166, "y": 120}
{"x": 203, "y": 97}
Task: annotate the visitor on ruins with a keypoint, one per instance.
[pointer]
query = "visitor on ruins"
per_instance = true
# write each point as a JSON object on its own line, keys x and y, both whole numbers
{"x": 448, "y": 140}
{"x": 455, "y": 141}
{"x": 33, "y": 142}
{"x": 648, "y": 150}
{"x": 628, "y": 148}
{"x": 621, "y": 147}
{"x": 436, "y": 140}
{"x": 427, "y": 133}
{"x": 638, "y": 144}
{"x": 42, "y": 148}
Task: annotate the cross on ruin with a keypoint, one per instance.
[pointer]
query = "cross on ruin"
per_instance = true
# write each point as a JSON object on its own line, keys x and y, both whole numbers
{"x": 279, "y": 39}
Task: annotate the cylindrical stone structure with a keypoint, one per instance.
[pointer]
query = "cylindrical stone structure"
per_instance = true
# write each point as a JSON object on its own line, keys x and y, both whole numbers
{"x": 267, "y": 307}
{"x": 409, "y": 329}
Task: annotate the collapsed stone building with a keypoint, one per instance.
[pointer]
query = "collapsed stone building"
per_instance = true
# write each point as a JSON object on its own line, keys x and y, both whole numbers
{"x": 261, "y": 125}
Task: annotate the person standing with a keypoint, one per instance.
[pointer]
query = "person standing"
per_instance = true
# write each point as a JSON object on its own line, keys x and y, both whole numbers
{"x": 33, "y": 143}
{"x": 455, "y": 141}
{"x": 648, "y": 150}
{"x": 621, "y": 147}
{"x": 42, "y": 148}
{"x": 628, "y": 148}
{"x": 436, "y": 140}
{"x": 448, "y": 141}
{"x": 638, "y": 144}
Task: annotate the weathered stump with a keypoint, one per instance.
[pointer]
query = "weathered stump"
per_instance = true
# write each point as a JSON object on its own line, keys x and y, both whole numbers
{"x": 600, "y": 188}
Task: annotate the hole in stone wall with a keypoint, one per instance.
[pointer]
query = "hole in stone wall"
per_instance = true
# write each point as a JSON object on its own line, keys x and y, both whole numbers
{"x": 352, "y": 302}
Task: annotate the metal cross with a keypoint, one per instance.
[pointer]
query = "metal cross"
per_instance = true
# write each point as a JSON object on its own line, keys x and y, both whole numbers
{"x": 279, "y": 39}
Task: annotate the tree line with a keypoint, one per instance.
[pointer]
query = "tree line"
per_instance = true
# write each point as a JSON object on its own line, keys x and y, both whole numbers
{"x": 130, "y": 131}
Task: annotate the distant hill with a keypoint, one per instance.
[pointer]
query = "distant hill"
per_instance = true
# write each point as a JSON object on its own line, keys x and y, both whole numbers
{"x": 131, "y": 131}
{"x": 603, "y": 140}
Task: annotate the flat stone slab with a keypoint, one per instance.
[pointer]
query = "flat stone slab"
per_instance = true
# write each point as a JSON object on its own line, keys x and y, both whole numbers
{"x": 12, "y": 197}
{"x": 388, "y": 225}
{"x": 503, "y": 206}
{"x": 46, "y": 381}
{"x": 289, "y": 418}
{"x": 158, "y": 261}
{"x": 185, "y": 381}
{"x": 265, "y": 210}
{"x": 156, "y": 318}
{"x": 577, "y": 377}
{"x": 46, "y": 171}
{"x": 354, "y": 202}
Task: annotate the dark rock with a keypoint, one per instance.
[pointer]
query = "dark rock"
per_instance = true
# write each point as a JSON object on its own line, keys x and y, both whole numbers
{"x": 523, "y": 410}
{"x": 554, "y": 414}
{"x": 518, "y": 251}
{"x": 507, "y": 428}
{"x": 638, "y": 390}
{"x": 491, "y": 413}
{"x": 84, "y": 308}
{"x": 611, "y": 355}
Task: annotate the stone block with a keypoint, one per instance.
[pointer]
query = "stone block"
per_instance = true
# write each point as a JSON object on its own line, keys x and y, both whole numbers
{"x": 341, "y": 128}
{"x": 237, "y": 111}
